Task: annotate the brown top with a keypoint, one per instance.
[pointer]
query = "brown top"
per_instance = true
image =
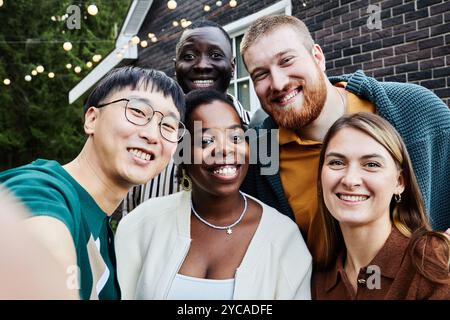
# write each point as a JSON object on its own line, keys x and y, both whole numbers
{"x": 391, "y": 275}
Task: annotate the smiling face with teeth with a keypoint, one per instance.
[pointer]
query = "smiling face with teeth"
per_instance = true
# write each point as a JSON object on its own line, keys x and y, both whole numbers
{"x": 223, "y": 150}
{"x": 358, "y": 179}
{"x": 204, "y": 60}
{"x": 288, "y": 78}
{"x": 125, "y": 153}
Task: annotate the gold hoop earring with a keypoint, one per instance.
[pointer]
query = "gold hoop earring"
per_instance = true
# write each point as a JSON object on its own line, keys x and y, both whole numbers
{"x": 186, "y": 180}
{"x": 398, "y": 197}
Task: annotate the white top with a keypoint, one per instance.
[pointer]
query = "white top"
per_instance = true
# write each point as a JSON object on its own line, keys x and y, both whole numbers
{"x": 152, "y": 242}
{"x": 190, "y": 288}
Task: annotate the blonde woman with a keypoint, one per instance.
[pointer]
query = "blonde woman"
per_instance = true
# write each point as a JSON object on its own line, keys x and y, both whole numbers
{"x": 371, "y": 238}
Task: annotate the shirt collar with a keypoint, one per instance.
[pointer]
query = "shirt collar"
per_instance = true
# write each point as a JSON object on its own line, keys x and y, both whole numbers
{"x": 389, "y": 259}
{"x": 288, "y": 136}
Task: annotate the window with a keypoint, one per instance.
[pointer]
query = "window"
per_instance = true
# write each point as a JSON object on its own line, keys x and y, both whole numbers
{"x": 241, "y": 85}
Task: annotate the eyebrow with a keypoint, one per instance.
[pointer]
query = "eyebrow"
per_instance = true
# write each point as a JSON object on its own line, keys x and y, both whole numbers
{"x": 277, "y": 56}
{"x": 366, "y": 156}
{"x": 189, "y": 45}
{"x": 234, "y": 126}
{"x": 170, "y": 113}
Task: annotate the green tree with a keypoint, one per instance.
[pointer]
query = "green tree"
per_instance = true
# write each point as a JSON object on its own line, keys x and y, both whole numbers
{"x": 36, "y": 119}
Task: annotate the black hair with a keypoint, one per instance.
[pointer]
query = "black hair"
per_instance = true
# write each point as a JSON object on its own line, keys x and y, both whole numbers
{"x": 199, "y": 97}
{"x": 204, "y": 24}
{"x": 133, "y": 77}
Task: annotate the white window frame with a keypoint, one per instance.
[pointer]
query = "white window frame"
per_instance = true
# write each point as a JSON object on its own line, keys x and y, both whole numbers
{"x": 238, "y": 28}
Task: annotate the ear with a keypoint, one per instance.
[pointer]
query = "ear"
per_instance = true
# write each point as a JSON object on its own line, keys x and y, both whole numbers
{"x": 233, "y": 66}
{"x": 400, "y": 183}
{"x": 318, "y": 56}
{"x": 90, "y": 119}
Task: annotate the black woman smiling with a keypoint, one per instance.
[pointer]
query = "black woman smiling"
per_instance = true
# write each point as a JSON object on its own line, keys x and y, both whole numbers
{"x": 211, "y": 241}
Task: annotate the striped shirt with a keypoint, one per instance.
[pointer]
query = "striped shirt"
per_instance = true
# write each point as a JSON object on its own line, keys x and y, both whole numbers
{"x": 166, "y": 182}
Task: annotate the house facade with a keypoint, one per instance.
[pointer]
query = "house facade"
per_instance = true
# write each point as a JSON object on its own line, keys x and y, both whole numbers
{"x": 391, "y": 40}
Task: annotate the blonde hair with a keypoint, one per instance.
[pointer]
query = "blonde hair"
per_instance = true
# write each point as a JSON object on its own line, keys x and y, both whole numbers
{"x": 325, "y": 239}
{"x": 267, "y": 24}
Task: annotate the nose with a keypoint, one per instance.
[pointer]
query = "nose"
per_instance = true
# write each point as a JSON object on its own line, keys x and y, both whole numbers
{"x": 279, "y": 80}
{"x": 222, "y": 148}
{"x": 150, "y": 131}
{"x": 202, "y": 63}
{"x": 351, "y": 178}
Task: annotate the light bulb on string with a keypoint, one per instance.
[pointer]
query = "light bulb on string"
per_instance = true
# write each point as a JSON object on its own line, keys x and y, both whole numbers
{"x": 135, "y": 40}
{"x": 206, "y": 8}
{"x": 69, "y": 66}
{"x": 67, "y": 46}
{"x": 233, "y": 3}
{"x": 40, "y": 69}
{"x": 34, "y": 73}
{"x": 96, "y": 58}
{"x": 144, "y": 43}
{"x": 51, "y": 75}
{"x": 175, "y": 23}
{"x": 6, "y": 82}
{"x": 89, "y": 64}
{"x": 218, "y": 3}
{"x": 172, "y": 4}
{"x": 28, "y": 78}
{"x": 77, "y": 69}
{"x": 92, "y": 10}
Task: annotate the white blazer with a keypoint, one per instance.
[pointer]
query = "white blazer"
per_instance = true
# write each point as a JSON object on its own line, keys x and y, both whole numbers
{"x": 152, "y": 242}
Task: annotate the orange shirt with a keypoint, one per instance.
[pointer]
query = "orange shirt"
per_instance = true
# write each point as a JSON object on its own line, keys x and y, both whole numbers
{"x": 299, "y": 161}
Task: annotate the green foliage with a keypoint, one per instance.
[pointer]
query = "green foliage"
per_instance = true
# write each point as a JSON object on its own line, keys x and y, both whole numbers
{"x": 36, "y": 119}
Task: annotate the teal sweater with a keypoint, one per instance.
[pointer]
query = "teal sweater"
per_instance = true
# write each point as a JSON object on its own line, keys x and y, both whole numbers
{"x": 423, "y": 121}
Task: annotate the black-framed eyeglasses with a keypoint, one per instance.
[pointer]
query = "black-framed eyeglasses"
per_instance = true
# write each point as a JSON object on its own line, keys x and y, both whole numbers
{"x": 141, "y": 113}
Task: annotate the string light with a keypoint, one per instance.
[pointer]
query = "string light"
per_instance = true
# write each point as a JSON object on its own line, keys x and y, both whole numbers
{"x": 172, "y": 4}
{"x": 67, "y": 46}
{"x": 51, "y": 75}
{"x": 175, "y": 23}
{"x": 6, "y": 82}
{"x": 92, "y": 10}
{"x": 77, "y": 69}
{"x": 28, "y": 78}
{"x": 34, "y": 73}
{"x": 206, "y": 8}
{"x": 144, "y": 43}
{"x": 218, "y": 3}
{"x": 68, "y": 66}
{"x": 154, "y": 39}
{"x": 96, "y": 58}
{"x": 135, "y": 40}
{"x": 151, "y": 35}
{"x": 40, "y": 69}
{"x": 1, "y": 3}
{"x": 233, "y": 3}
{"x": 185, "y": 23}
{"x": 89, "y": 64}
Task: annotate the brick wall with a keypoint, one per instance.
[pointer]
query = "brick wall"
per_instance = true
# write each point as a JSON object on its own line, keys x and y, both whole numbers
{"x": 159, "y": 21}
{"x": 413, "y": 44}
